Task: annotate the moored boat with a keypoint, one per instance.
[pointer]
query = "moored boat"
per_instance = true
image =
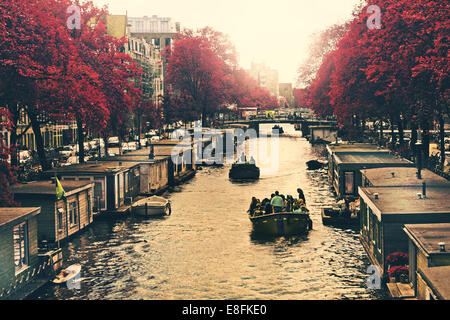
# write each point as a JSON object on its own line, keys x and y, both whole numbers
{"x": 152, "y": 206}
{"x": 67, "y": 274}
{"x": 244, "y": 171}
{"x": 315, "y": 164}
{"x": 339, "y": 217}
{"x": 282, "y": 223}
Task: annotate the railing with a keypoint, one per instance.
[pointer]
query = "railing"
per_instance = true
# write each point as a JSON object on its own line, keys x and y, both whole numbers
{"x": 18, "y": 288}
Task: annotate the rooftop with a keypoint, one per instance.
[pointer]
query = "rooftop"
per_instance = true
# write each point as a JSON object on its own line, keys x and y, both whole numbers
{"x": 95, "y": 167}
{"x": 403, "y": 176}
{"x": 439, "y": 279}
{"x": 47, "y": 187}
{"x": 369, "y": 157}
{"x": 404, "y": 200}
{"x": 354, "y": 147}
{"x": 8, "y": 215}
{"x": 429, "y": 235}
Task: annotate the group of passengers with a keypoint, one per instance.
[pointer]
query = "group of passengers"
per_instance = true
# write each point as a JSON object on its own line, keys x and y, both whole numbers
{"x": 278, "y": 203}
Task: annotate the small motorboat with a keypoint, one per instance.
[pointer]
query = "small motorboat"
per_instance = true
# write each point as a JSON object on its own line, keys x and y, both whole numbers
{"x": 152, "y": 206}
{"x": 67, "y": 274}
{"x": 244, "y": 171}
{"x": 277, "y": 127}
{"x": 315, "y": 164}
{"x": 339, "y": 217}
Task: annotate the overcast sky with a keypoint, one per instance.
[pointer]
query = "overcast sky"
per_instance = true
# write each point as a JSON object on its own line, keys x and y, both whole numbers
{"x": 275, "y": 32}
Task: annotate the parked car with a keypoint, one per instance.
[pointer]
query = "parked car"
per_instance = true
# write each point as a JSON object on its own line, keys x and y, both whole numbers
{"x": 66, "y": 151}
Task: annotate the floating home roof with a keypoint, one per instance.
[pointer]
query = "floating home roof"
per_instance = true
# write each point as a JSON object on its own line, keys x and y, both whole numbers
{"x": 354, "y": 147}
{"x": 49, "y": 187}
{"x": 370, "y": 157}
{"x": 402, "y": 176}
{"x": 13, "y": 214}
{"x": 141, "y": 158}
{"x": 94, "y": 167}
{"x": 438, "y": 278}
{"x": 427, "y": 236}
{"x": 404, "y": 200}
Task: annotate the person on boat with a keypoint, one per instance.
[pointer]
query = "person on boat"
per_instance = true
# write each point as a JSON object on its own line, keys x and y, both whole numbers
{"x": 243, "y": 158}
{"x": 252, "y": 160}
{"x": 277, "y": 203}
{"x": 301, "y": 195}
{"x": 253, "y": 205}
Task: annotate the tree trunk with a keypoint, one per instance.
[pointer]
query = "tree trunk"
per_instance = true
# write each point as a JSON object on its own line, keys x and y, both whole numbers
{"x": 425, "y": 142}
{"x": 80, "y": 135}
{"x": 394, "y": 137}
{"x": 39, "y": 141}
{"x": 441, "y": 140}
{"x": 139, "y": 130}
{"x": 204, "y": 118}
{"x": 380, "y": 140}
{"x": 105, "y": 142}
{"x": 400, "y": 130}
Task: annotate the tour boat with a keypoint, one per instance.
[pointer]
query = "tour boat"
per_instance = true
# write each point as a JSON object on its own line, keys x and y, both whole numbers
{"x": 244, "y": 171}
{"x": 152, "y": 206}
{"x": 282, "y": 223}
{"x": 339, "y": 217}
{"x": 67, "y": 274}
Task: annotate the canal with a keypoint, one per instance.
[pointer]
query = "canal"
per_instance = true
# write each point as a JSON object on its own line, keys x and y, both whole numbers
{"x": 206, "y": 250}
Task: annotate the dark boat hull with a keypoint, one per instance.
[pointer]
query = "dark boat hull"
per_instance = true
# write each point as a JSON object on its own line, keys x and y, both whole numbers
{"x": 282, "y": 224}
{"x": 332, "y": 217}
{"x": 244, "y": 172}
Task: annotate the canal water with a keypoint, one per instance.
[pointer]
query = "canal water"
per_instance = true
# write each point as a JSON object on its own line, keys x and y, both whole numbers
{"x": 206, "y": 250}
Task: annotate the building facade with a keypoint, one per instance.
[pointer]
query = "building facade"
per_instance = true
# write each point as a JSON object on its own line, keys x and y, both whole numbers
{"x": 267, "y": 78}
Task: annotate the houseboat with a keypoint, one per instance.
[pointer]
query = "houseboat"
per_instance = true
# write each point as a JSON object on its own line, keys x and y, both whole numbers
{"x": 21, "y": 270}
{"x": 384, "y": 211}
{"x": 59, "y": 218}
{"x": 429, "y": 260}
{"x": 322, "y": 134}
{"x": 400, "y": 177}
{"x": 347, "y": 165}
{"x": 116, "y": 183}
{"x": 153, "y": 173}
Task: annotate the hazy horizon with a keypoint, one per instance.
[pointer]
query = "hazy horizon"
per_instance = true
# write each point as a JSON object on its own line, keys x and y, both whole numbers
{"x": 275, "y": 33}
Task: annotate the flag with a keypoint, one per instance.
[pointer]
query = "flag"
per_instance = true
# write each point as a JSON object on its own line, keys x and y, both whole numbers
{"x": 59, "y": 190}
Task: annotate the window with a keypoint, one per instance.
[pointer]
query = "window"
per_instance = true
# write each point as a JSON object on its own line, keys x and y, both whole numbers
{"x": 349, "y": 181}
{"x": 73, "y": 213}
{"x": 20, "y": 246}
{"x": 60, "y": 214}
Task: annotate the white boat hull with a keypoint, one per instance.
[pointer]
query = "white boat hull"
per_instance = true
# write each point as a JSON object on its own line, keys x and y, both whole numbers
{"x": 152, "y": 206}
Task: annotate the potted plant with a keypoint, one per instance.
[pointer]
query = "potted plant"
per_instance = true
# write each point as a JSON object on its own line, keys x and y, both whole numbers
{"x": 397, "y": 263}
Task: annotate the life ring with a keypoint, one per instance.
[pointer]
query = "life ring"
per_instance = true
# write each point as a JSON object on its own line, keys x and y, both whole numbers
{"x": 168, "y": 206}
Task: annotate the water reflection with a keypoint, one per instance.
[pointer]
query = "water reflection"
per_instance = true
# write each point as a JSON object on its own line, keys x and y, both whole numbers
{"x": 206, "y": 249}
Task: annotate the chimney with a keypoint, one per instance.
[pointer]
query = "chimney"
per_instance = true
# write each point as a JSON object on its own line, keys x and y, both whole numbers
{"x": 419, "y": 195}
{"x": 393, "y": 174}
{"x": 442, "y": 246}
{"x": 376, "y": 196}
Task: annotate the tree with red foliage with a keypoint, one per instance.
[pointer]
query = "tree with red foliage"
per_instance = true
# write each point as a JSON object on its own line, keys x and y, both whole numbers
{"x": 196, "y": 71}
{"x": 301, "y": 97}
{"x": 245, "y": 91}
{"x": 7, "y": 172}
